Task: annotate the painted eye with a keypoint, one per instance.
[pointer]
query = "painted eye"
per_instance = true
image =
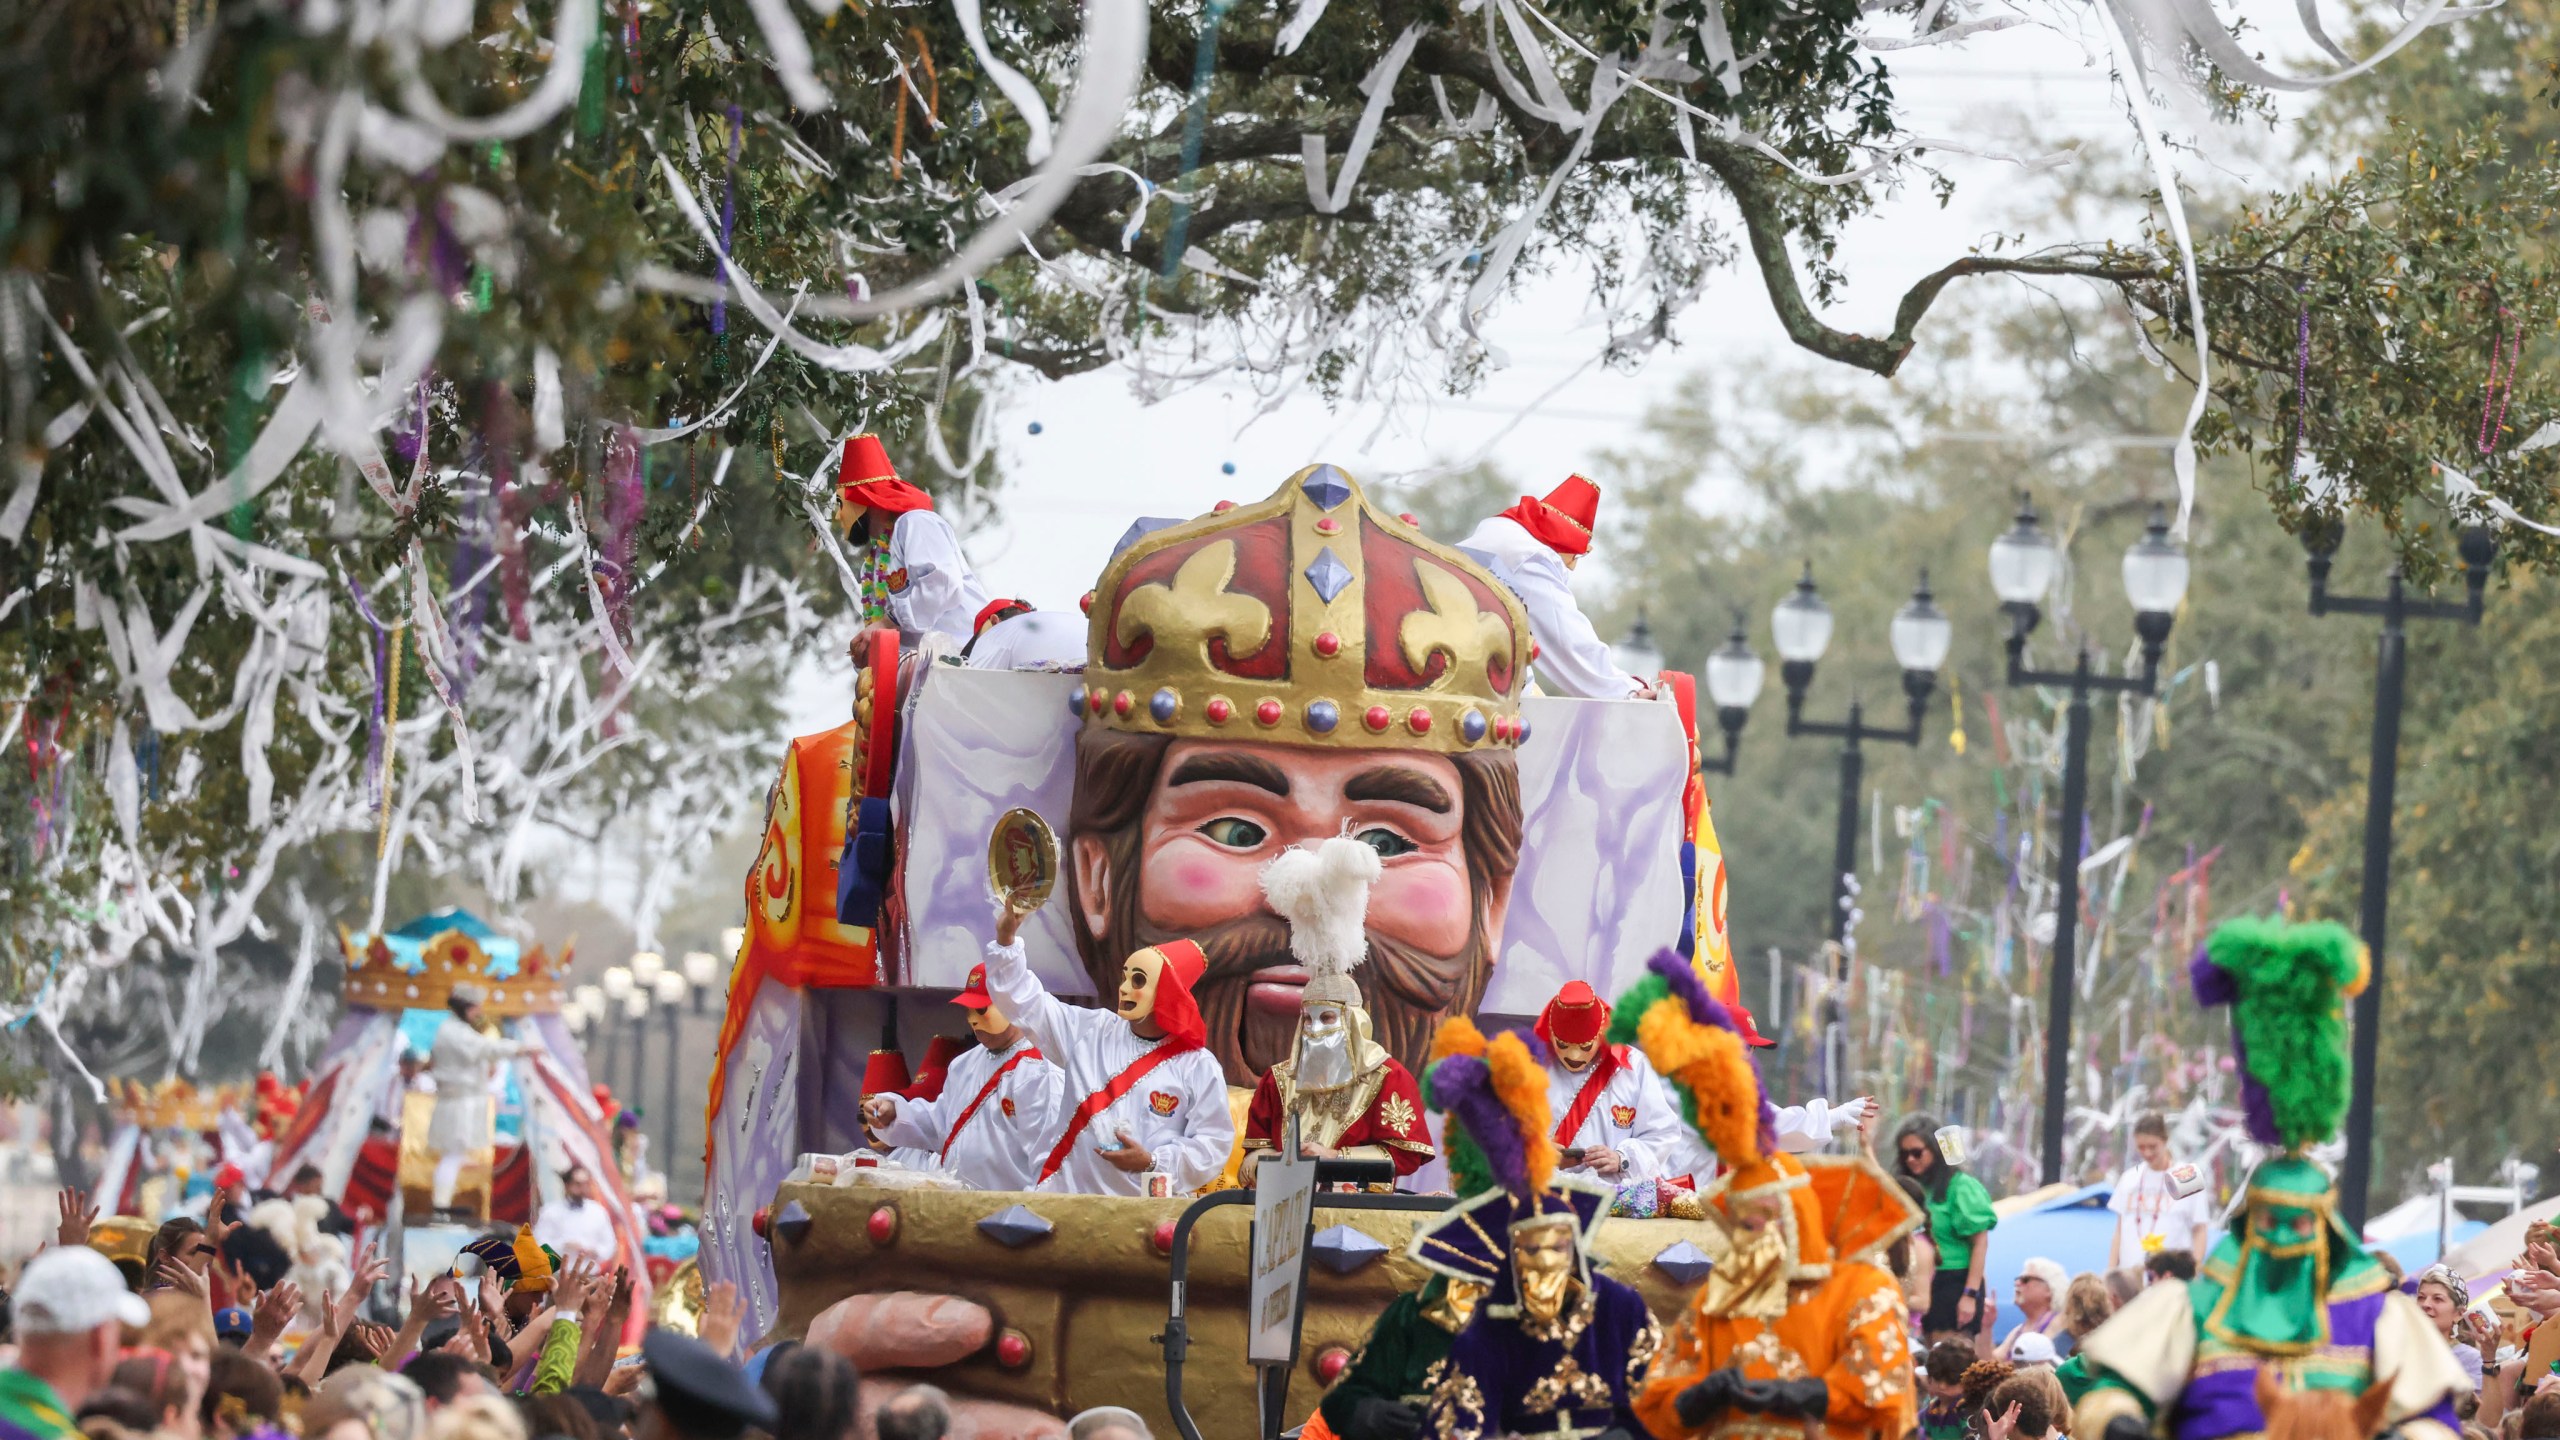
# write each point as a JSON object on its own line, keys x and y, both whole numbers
{"x": 1386, "y": 842}
{"x": 1235, "y": 833}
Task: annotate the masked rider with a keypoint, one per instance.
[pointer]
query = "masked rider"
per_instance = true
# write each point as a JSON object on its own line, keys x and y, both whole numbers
{"x": 1349, "y": 1097}
{"x": 1616, "y": 1121}
{"x": 1141, "y": 1093}
{"x": 1553, "y": 1348}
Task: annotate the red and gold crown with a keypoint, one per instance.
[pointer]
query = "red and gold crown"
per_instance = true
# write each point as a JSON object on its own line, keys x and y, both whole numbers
{"x": 175, "y": 1104}
{"x": 376, "y": 981}
{"x": 1311, "y": 618}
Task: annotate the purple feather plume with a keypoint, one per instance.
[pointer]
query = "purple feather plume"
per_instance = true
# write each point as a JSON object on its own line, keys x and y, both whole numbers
{"x": 2213, "y": 986}
{"x": 1463, "y": 1086}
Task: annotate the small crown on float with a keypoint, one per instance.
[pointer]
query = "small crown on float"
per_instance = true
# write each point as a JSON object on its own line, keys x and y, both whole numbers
{"x": 376, "y": 980}
{"x": 176, "y": 1104}
{"x": 1310, "y": 618}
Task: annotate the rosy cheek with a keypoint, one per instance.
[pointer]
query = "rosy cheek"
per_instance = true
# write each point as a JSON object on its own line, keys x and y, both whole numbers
{"x": 1424, "y": 905}
{"x": 1186, "y": 884}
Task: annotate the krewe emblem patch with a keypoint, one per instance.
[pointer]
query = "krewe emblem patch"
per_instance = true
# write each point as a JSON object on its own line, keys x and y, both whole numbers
{"x": 1622, "y": 1116}
{"x": 1163, "y": 1102}
{"x": 1006, "y": 1105}
{"x": 897, "y": 581}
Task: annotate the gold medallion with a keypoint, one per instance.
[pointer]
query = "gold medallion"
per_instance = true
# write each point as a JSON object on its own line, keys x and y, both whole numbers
{"x": 1022, "y": 860}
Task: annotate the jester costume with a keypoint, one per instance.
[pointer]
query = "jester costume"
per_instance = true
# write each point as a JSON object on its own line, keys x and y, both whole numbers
{"x": 2292, "y": 1292}
{"x": 1380, "y": 1394}
{"x": 1552, "y": 1349}
{"x": 1798, "y": 1324}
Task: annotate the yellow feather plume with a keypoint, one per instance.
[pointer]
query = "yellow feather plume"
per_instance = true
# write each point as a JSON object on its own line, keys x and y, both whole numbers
{"x": 1716, "y": 1068}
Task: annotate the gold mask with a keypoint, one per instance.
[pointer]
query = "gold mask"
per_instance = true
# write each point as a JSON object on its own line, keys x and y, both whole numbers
{"x": 1456, "y": 1305}
{"x": 1542, "y": 1261}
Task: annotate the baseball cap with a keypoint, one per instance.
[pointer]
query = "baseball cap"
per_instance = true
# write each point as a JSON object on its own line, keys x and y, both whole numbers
{"x": 974, "y": 994}
{"x": 71, "y": 1289}
{"x": 2033, "y": 1348}
{"x": 233, "y": 1323}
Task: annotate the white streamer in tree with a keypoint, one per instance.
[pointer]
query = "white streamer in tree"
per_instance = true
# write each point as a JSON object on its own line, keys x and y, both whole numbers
{"x": 1024, "y": 95}
{"x": 572, "y": 30}
{"x": 1381, "y": 89}
{"x": 791, "y": 57}
{"x": 2155, "y": 148}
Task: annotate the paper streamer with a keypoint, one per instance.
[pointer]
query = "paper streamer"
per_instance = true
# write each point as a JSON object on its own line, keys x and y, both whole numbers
{"x": 287, "y": 431}
{"x": 1301, "y": 20}
{"x": 1009, "y": 80}
{"x": 791, "y": 57}
{"x": 2196, "y": 20}
{"x": 1381, "y": 88}
{"x": 2461, "y": 489}
{"x": 2155, "y": 148}
{"x": 843, "y": 359}
{"x": 573, "y": 29}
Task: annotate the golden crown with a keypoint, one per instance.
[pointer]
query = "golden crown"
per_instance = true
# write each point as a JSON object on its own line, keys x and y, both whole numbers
{"x": 1310, "y": 618}
{"x": 176, "y": 1104}
{"x": 376, "y": 981}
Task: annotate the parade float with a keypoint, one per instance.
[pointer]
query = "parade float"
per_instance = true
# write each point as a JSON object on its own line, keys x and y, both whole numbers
{"x": 1306, "y": 633}
{"x": 365, "y": 1130}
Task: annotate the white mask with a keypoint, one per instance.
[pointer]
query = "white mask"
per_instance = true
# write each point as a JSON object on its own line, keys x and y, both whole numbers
{"x": 1324, "y": 1047}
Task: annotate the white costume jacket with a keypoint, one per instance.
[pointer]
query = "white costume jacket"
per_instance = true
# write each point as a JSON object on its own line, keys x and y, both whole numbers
{"x": 1571, "y": 659}
{"x": 465, "y": 1065}
{"x": 931, "y": 586}
{"x": 1635, "y": 1114}
{"x": 1178, "y": 1110}
{"x": 1006, "y": 1136}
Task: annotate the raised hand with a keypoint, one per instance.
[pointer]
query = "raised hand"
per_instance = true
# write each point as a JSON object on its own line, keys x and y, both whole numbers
{"x": 569, "y": 1290}
{"x": 721, "y": 1314}
{"x": 2002, "y": 1425}
{"x": 493, "y": 1301}
{"x": 275, "y": 1311}
{"x": 78, "y": 1216}
{"x": 179, "y": 1275}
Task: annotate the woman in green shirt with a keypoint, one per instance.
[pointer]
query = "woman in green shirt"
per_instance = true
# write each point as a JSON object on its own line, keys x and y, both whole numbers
{"x": 1960, "y": 1224}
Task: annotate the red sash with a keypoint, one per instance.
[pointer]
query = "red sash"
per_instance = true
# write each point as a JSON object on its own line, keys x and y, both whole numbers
{"x": 1603, "y": 1066}
{"x": 1102, "y": 1099}
{"x": 1028, "y": 1052}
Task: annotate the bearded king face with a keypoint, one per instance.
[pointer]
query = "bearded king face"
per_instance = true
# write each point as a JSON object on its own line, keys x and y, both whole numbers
{"x": 1184, "y": 863}
{"x": 1276, "y": 675}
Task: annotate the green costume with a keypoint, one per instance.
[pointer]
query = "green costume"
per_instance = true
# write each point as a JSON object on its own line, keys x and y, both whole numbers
{"x": 1957, "y": 1213}
{"x": 2292, "y": 1290}
{"x": 1399, "y": 1362}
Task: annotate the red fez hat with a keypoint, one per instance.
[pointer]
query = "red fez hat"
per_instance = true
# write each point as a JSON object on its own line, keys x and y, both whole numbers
{"x": 885, "y": 1073}
{"x": 1577, "y": 1016}
{"x": 988, "y": 614}
{"x": 867, "y": 478}
{"x": 936, "y": 1067}
{"x": 1562, "y": 521}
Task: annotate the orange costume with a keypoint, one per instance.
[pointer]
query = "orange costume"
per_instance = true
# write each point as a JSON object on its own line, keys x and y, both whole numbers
{"x": 1799, "y": 1320}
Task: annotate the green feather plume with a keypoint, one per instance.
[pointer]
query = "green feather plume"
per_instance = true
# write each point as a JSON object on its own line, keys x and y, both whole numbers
{"x": 2287, "y": 984}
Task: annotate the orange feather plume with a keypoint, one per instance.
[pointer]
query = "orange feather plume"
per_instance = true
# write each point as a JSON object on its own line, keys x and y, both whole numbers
{"x": 1520, "y": 1082}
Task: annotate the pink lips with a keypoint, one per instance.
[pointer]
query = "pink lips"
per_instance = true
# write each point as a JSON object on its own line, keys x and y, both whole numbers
{"x": 1276, "y": 988}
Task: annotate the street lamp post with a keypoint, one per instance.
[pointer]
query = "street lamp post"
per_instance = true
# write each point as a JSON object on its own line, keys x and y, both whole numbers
{"x": 2024, "y": 563}
{"x": 635, "y": 1016}
{"x": 2382, "y": 776}
{"x": 1734, "y": 676}
{"x": 614, "y": 991}
{"x": 670, "y": 994}
{"x": 701, "y": 967}
{"x": 1801, "y": 627}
